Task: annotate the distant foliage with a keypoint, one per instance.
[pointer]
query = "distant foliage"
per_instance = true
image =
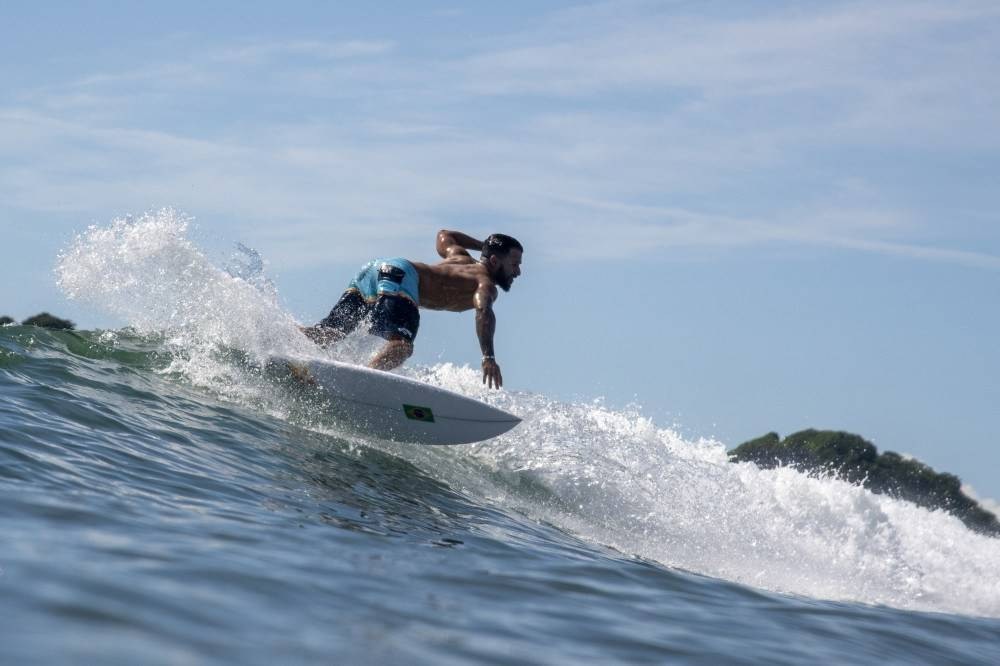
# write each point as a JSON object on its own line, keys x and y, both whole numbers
{"x": 45, "y": 320}
{"x": 5, "y": 320}
{"x": 855, "y": 459}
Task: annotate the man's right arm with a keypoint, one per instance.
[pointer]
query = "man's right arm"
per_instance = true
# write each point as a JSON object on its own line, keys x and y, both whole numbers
{"x": 486, "y": 326}
{"x": 455, "y": 243}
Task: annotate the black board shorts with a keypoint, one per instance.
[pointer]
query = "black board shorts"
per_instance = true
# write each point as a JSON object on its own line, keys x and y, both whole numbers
{"x": 391, "y": 316}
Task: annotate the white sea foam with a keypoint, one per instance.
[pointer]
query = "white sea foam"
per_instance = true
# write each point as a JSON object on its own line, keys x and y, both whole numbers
{"x": 611, "y": 476}
{"x": 146, "y": 272}
{"x": 616, "y": 478}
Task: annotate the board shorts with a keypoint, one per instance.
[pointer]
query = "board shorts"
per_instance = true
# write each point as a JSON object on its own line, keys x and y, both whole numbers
{"x": 385, "y": 292}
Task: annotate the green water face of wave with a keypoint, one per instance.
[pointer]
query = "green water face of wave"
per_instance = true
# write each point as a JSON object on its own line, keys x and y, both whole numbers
{"x": 124, "y": 364}
{"x": 21, "y": 343}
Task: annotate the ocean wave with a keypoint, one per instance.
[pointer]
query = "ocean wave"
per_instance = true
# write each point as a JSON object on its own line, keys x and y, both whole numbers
{"x": 610, "y": 476}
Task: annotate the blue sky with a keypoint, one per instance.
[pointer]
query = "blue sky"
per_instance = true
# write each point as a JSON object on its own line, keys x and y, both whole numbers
{"x": 742, "y": 216}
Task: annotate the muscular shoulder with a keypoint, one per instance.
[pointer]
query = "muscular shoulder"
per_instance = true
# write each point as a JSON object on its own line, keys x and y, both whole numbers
{"x": 463, "y": 258}
{"x": 487, "y": 286}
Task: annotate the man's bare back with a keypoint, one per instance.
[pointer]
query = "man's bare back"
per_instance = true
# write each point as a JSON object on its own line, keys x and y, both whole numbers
{"x": 452, "y": 284}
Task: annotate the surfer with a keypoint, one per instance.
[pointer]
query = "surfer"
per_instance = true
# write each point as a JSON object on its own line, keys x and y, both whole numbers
{"x": 388, "y": 292}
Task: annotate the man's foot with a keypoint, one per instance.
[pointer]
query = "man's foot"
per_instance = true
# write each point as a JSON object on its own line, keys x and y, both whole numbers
{"x": 301, "y": 373}
{"x": 322, "y": 335}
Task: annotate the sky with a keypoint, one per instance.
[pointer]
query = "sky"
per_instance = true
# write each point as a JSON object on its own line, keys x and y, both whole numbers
{"x": 741, "y": 216}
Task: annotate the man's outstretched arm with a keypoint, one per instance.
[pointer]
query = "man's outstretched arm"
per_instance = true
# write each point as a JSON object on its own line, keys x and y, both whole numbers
{"x": 486, "y": 326}
{"x": 455, "y": 243}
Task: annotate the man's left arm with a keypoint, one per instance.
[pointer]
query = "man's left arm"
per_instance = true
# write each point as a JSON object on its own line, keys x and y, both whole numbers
{"x": 452, "y": 244}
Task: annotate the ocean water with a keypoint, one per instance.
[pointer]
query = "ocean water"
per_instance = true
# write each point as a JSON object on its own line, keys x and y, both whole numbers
{"x": 164, "y": 500}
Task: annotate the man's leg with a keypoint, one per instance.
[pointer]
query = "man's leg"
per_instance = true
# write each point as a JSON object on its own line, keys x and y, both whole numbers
{"x": 342, "y": 320}
{"x": 392, "y": 355}
{"x": 396, "y": 319}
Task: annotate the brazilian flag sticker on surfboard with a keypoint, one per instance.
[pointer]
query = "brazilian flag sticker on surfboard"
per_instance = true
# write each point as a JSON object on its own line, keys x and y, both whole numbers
{"x": 419, "y": 413}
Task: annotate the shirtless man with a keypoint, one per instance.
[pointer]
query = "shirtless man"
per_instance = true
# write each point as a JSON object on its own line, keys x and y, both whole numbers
{"x": 388, "y": 291}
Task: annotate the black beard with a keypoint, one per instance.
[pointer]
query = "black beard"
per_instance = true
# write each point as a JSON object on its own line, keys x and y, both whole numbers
{"x": 504, "y": 281}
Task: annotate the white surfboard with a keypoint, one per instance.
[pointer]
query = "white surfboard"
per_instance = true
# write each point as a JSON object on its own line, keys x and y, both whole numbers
{"x": 388, "y": 406}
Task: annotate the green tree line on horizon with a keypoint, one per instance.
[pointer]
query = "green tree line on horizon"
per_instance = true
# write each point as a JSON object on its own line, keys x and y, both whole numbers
{"x": 42, "y": 319}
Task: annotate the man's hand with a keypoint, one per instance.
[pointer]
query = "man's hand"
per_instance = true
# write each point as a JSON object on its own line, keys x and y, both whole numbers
{"x": 491, "y": 373}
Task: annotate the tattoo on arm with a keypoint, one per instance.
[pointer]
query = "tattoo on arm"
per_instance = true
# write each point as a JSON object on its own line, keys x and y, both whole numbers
{"x": 486, "y": 322}
{"x": 486, "y": 325}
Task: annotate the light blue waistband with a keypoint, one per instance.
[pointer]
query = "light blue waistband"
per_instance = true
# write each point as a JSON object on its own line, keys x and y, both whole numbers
{"x": 370, "y": 286}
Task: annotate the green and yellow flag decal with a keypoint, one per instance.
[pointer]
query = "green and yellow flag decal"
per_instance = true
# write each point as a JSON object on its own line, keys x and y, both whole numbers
{"x": 416, "y": 413}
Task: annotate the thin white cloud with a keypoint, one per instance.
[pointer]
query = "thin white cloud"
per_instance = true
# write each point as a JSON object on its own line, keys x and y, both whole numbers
{"x": 675, "y": 128}
{"x": 778, "y": 49}
{"x": 905, "y": 67}
{"x": 260, "y": 53}
{"x": 945, "y": 255}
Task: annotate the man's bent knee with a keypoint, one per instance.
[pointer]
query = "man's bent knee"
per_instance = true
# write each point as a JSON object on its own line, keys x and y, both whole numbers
{"x": 393, "y": 354}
